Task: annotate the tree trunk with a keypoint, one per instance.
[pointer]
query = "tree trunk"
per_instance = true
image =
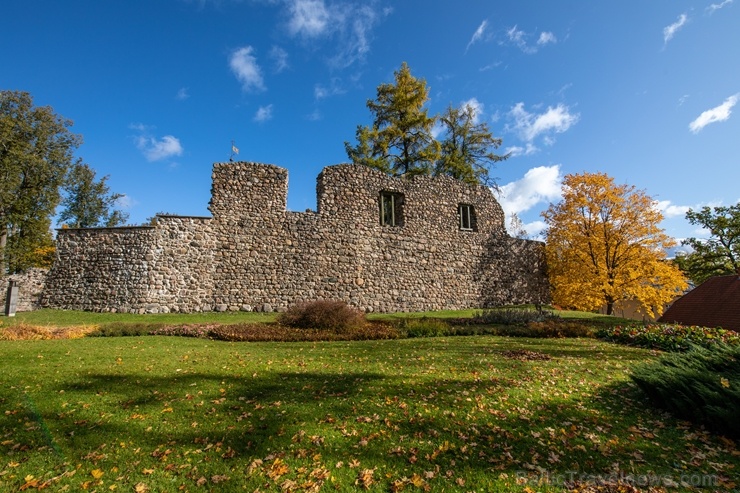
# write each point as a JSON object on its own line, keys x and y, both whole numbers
{"x": 3, "y": 242}
{"x": 609, "y": 307}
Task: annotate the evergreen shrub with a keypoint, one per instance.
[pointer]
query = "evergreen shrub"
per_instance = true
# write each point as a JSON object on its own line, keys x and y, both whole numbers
{"x": 701, "y": 385}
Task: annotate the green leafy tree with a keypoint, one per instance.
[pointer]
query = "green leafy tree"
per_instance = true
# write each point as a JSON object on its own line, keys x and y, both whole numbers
{"x": 400, "y": 140}
{"x": 720, "y": 254}
{"x": 89, "y": 203}
{"x": 467, "y": 149}
{"x": 36, "y": 152}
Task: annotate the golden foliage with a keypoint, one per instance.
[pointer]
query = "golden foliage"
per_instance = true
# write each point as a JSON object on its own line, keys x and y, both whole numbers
{"x": 604, "y": 245}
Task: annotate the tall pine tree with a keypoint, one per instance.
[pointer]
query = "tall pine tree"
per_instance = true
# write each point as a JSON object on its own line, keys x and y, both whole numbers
{"x": 467, "y": 149}
{"x": 399, "y": 141}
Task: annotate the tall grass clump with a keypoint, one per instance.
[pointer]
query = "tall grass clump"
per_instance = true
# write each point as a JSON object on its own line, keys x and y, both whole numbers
{"x": 513, "y": 316}
{"x": 701, "y": 385}
{"x": 423, "y": 327}
{"x": 323, "y": 314}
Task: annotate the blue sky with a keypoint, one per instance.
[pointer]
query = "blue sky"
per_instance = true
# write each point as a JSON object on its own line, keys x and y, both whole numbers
{"x": 646, "y": 92}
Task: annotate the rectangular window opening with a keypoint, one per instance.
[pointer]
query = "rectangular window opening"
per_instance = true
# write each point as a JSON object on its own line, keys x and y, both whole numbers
{"x": 391, "y": 209}
{"x": 466, "y": 215}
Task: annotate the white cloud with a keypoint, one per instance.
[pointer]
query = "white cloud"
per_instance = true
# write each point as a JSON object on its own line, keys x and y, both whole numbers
{"x": 182, "y": 94}
{"x": 279, "y": 57}
{"x": 716, "y": 6}
{"x": 539, "y": 185}
{"x": 670, "y": 210}
{"x": 717, "y": 114}
{"x": 438, "y": 129}
{"x": 546, "y": 38}
{"x": 670, "y": 31}
{"x": 244, "y": 65}
{"x": 529, "y": 126}
{"x": 683, "y": 99}
{"x": 478, "y": 34}
{"x": 263, "y": 114}
{"x": 535, "y": 229}
{"x": 125, "y": 202}
{"x": 308, "y": 18}
{"x": 158, "y": 149}
{"x": 476, "y": 106}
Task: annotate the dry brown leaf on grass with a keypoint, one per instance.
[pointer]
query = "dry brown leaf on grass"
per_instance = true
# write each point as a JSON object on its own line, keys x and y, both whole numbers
{"x": 365, "y": 478}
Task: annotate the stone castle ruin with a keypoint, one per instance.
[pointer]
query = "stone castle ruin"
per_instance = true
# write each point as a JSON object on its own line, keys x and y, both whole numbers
{"x": 377, "y": 242}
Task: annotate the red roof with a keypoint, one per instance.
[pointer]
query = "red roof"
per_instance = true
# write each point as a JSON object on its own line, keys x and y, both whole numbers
{"x": 714, "y": 303}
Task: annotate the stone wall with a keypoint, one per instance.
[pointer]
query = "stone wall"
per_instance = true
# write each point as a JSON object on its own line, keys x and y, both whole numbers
{"x": 30, "y": 286}
{"x": 255, "y": 255}
{"x": 101, "y": 269}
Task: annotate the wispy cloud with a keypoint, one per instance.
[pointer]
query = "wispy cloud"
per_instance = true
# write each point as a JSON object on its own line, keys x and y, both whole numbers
{"x": 244, "y": 65}
{"x": 539, "y": 186}
{"x": 478, "y": 34}
{"x": 279, "y": 58}
{"x": 670, "y": 31}
{"x": 321, "y": 91}
{"x": 355, "y": 25}
{"x": 514, "y": 151}
{"x": 529, "y": 126}
{"x": 519, "y": 38}
{"x": 348, "y": 25}
{"x": 716, "y": 6}
{"x": 717, "y": 114}
{"x": 182, "y": 94}
{"x": 264, "y": 113}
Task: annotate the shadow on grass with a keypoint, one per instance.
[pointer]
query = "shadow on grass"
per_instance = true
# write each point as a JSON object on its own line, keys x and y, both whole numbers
{"x": 408, "y": 426}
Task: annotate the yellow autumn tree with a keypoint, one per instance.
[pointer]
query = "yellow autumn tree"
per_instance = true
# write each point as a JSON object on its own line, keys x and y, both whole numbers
{"x": 603, "y": 245}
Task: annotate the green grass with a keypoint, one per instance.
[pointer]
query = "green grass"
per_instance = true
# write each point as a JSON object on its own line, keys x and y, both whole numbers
{"x": 68, "y": 318}
{"x": 443, "y": 414}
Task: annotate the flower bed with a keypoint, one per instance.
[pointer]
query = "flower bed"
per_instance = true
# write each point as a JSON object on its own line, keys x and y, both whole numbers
{"x": 668, "y": 337}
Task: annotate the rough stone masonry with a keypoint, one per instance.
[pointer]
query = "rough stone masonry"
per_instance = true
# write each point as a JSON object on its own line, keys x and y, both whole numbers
{"x": 379, "y": 243}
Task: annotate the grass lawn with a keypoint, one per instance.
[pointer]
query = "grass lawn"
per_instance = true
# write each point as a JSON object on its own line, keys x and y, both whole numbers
{"x": 68, "y": 318}
{"x": 437, "y": 414}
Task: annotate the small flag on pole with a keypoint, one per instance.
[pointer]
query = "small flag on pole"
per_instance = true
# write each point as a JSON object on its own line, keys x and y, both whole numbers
{"x": 234, "y": 151}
